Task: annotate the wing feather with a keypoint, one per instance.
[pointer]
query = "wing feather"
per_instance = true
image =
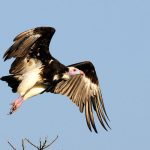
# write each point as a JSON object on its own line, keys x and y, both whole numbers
{"x": 30, "y": 47}
{"x": 87, "y": 115}
{"x": 23, "y": 34}
{"x": 81, "y": 106}
{"x": 21, "y": 47}
{"x": 83, "y": 92}
{"x": 92, "y": 116}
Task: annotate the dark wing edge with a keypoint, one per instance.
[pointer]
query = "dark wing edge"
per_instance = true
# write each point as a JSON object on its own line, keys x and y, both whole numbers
{"x": 85, "y": 95}
{"x": 88, "y": 68}
{"x": 29, "y": 40}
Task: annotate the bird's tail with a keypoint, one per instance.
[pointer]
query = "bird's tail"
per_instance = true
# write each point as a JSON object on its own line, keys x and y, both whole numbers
{"x": 12, "y": 82}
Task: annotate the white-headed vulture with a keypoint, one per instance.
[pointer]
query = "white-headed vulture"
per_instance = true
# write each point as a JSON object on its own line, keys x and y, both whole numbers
{"x": 35, "y": 71}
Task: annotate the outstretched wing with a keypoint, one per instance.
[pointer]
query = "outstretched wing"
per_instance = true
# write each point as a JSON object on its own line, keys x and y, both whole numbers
{"x": 30, "y": 48}
{"x": 85, "y": 92}
{"x": 31, "y": 42}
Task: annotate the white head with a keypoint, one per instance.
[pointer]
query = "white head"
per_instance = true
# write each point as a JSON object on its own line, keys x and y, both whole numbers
{"x": 74, "y": 71}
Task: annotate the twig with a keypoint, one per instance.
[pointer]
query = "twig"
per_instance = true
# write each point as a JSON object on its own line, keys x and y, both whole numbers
{"x": 52, "y": 142}
{"x": 42, "y": 145}
{"x": 31, "y": 143}
{"x": 12, "y": 146}
{"x": 23, "y": 146}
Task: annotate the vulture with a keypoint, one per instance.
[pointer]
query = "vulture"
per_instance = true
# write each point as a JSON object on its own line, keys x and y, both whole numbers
{"x": 35, "y": 71}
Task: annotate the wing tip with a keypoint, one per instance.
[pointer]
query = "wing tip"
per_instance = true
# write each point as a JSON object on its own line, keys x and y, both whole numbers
{"x": 26, "y": 39}
{"x": 45, "y": 30}
{"x": 35, "y": 30}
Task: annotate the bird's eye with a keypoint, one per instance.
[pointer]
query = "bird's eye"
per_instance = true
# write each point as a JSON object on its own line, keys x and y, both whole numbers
{"x": 74, "y": 69}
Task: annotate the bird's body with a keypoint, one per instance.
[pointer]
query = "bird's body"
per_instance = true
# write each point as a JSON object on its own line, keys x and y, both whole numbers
{"x": 35, "y": 71}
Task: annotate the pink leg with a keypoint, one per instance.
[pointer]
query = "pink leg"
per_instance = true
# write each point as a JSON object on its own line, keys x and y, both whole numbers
{"x": 16, "y": 104}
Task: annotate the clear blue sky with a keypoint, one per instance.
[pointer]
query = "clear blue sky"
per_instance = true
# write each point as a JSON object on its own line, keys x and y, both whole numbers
{"x": 115, "y": 36}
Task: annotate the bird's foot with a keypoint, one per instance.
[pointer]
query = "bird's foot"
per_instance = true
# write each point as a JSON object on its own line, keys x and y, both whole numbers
{"x": 16, "y": 104}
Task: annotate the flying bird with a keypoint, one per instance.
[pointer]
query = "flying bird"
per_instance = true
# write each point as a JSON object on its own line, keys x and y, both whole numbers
{"x": 35, "y": 71}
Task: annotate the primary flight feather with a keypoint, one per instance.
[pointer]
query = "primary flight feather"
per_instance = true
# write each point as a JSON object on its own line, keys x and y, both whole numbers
{"x": 35, "y": 71}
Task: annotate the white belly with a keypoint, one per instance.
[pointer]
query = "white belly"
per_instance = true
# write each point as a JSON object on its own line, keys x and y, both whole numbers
{"x": 29, "y": 79}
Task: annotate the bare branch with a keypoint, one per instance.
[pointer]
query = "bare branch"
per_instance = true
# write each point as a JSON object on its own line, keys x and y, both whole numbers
{"x": 42, "y": 145}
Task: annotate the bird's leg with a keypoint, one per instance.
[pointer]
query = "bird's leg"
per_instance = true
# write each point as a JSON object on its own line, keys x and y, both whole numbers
{"x": 16, "y": 104}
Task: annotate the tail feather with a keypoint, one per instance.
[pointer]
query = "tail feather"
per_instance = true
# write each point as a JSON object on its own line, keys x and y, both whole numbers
{"x": 12, "y": 82}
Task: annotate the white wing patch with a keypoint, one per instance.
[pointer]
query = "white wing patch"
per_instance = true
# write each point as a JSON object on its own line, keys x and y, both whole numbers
{"x": 56, "y": 77}
{"x": 51, "y": 61}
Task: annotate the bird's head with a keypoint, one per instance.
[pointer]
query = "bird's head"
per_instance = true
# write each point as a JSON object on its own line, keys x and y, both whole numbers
{"x": 74, "y": 71}
{"x": 71, "y": 72}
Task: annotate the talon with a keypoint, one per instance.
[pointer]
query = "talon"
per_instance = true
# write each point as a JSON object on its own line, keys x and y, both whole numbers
{"x": 15, "y": 105}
